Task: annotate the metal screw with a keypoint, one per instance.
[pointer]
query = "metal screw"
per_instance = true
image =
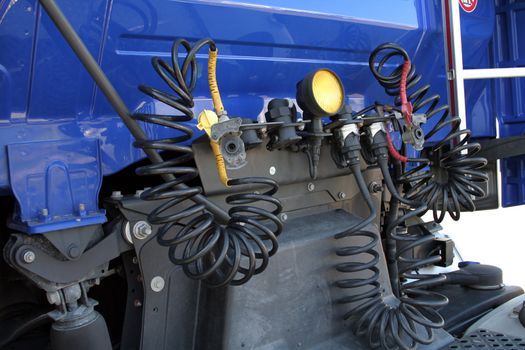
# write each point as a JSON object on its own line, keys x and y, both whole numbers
{"x": 141, "y": 230}
{"x": 116, "y": 194}
{"x": 283, "y": 217}
{"x": 137, "y": 303}
{"x": 135, "y": 260}
{"x": 272, "y": 170}
{"x": 341, "y": 195}
{"x": 73, "y": 251}
{"x": 157, "y": 284}
{"x": 311, "y": 186}
{"x": 28, "y": 256}
{"x": 375, "y": 187}
{"x": 45, "y": 212}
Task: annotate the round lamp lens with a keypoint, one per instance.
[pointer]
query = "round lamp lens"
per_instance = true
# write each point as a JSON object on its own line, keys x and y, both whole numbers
{"x": 328, "y": 91}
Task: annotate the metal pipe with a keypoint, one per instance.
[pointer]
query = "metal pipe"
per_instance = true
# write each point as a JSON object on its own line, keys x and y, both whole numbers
{"x": 114, "y": 98}
{"x": 457, "y": 54}
{"x": 494, "y": 73}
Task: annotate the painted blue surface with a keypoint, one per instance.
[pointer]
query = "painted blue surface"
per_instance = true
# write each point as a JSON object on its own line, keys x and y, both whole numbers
{"x": 509, "y": 51}
{"x": 265, "y": 47}
{"x": 56, "y": 184}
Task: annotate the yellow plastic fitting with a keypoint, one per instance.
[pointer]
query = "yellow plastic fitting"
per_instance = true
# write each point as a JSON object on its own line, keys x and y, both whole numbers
{"x": 206, "y": 120}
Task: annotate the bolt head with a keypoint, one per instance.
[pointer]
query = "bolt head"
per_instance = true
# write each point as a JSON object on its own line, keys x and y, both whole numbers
{"x": 116, "y": 194}
{"x": 272, "y": 170}
{"x": 375, "y": 187}
{"x": 341, "y": 195}
{"x": 142, "y": 230}
{"x": 311, "y": 187}
{"x": 157, "y": 284}
{"x": 283, "y": 217}
{"x": 137, "y": 303}
{"x": 29, "y": 256}
{"x": 73, "y": 251}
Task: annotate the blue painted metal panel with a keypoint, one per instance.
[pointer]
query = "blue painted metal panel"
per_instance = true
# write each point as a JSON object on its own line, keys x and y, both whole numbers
{"x": 17, "y": 31}
{"x": 56, "y": 184}
{"x": 509, "y": 51}
{"x": 265, "y": 47}
{"x": 477, "y": 28}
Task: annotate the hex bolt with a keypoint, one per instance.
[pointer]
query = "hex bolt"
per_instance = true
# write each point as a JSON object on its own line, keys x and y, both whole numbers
{"x": 375, "y": 187}
{"x": 341, "y": 195}
{"x": 272, "y": 170}
{"x": 116, "y": 194}
{"x": 73, "y": 251}
{"x": 311, "y": 187}
{"x": 283, "y": 217}
{"x": 142, "y": 230}
{"x": 28, "y": 256}
{"x": 157, "y": 284}
{"x": 135, "y": 260}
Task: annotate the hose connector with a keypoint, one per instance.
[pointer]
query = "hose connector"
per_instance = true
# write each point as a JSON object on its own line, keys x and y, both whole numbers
{"x": 206, "y": 120}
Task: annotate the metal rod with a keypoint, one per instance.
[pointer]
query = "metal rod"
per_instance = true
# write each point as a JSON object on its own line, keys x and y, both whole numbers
{"x": 114, "y": 98}
{"x": 457, "y": 54}
{"x": 494, "y": 73}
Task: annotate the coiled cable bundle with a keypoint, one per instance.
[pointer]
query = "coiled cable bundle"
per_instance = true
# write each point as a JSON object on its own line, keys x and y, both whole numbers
{"x": 216, "y": 254}
{"x": 446, "y": 181}
{"x": 407, "y": 318}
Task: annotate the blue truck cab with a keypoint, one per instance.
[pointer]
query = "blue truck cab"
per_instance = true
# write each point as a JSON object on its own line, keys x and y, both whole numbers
{"x": 197, "y": 174}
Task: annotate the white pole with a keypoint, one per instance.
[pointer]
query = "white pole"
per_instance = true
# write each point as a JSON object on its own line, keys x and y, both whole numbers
{"x": 493, "y": 73}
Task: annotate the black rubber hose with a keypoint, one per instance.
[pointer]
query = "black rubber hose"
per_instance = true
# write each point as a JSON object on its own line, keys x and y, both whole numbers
{"x": 400, "y": 322}
{"x": 451, "y": 177}
{"x": 218, "y": 255}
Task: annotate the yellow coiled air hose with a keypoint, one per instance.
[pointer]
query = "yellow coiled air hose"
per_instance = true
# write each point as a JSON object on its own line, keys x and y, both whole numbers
{"x": 208, "y": 118}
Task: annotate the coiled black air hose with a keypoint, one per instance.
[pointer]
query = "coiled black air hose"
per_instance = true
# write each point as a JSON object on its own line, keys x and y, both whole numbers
{"x": 408, "y": 317}
{"x": 216, "y": 254}
{"x": 446, "y": 182}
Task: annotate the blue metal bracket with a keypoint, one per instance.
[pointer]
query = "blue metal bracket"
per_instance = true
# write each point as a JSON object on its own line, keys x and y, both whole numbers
{"x": 56, "y": 184}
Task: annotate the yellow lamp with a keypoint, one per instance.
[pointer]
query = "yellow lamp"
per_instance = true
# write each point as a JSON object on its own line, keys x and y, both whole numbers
{"x": 320, "y": 93}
